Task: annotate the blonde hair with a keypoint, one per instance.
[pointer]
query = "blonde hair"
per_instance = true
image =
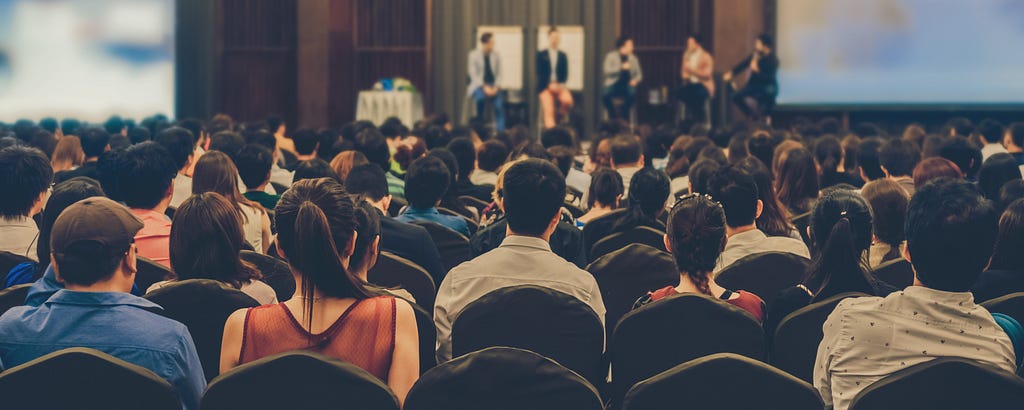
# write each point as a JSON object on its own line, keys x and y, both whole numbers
{"x": 496, "y": 195}
{"x": 68, "y": 154}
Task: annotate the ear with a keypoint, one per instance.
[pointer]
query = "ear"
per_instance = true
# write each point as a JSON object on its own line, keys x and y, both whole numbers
{"x": 386, "y": 202}
{"x": 863, "y": 176}
{"x": 280, "y": 250}
{"x": 906, "y": 253}
{"x": 885, "y": 171}
{"x": 130, "y": 262}
{"x": 56, "y": 269}
{"x": 350, "y": 247}
{"x": 641, "y": 161}
{"x": 760, "y": 207}
{"x": 668, "y": 246}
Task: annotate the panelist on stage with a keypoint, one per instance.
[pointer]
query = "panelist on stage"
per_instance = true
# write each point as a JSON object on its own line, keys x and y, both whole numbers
{"x": 622, "y": 73}
{"x": 552, "y": 73}
{"x": 484, "y": 68}
{"x": 757, "y": 98}
{"x": 698, "y": 83}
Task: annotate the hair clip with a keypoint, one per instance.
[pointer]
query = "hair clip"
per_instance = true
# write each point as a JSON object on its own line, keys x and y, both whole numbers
{"x": 842, "y": 214}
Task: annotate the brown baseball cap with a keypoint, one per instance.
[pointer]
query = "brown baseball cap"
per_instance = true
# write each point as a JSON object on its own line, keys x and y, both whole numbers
{"x": 95, "y": 219}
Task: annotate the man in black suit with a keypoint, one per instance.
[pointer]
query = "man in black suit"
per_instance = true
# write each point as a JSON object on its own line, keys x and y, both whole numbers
{"x": 95, "y": 141}
{"x": 409, "y": 241}
{"x": 552, "y": 73}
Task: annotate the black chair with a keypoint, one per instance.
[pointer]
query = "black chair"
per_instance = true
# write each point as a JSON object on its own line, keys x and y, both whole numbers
{"x": 801, "y": 222}
{"x": 677, "y": 329}
{"x": 574, "y": 210}
{"x": 203, "y": 305}
{"x": 276, "y": 273}
{"x": 573, "y": 194}
{"x": 13, "y": 296}
{"x": 627, "y": 275}
{"x": 149, "y": 273}
{"x": 724, "y": 381}
{"x": 1011, "y": 305}
{"x": 473, "y": 202}
{"x": 453, "y": 246}
{"x": 397, "y": 204}
{"x": 502, "y": 378}
{"x": 471, "y": 224}
{"x": 943, "y": 383}
{"x": 538, "y": 319}
{"x": 279, "y": 188}
{"x": 898, "y": 273}
{"x": 393, "y": 271}
{"x": 170, "y": 212}
{"x": 764, "y": 274}
{"x": 298, "y": 380}
{"x": 428, "y": 337}
{"x": 80, "y": 378}
{"x": 796, "y": 340}
{"x": 638, "y": 234}
{"x": 8, "y": 261}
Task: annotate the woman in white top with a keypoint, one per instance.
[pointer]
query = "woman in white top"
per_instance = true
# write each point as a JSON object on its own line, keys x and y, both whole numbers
{"x": 206, "y": 239}
{"x": 215, "y": 172}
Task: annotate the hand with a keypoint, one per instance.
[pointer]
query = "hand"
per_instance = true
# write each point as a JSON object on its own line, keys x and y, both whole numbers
{"x": 727, "y": 77}
{"x": 633, "y": 83}
{"x": 626, "y": 66}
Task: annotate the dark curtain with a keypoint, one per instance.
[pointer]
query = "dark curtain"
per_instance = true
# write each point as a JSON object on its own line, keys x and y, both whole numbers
{"x": 194, "y": 62}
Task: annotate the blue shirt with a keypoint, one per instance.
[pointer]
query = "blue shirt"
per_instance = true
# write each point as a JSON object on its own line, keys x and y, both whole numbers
{"x": 47, "y": 285}
{"x": 454, "y": 223}
{"x": 119, "y": 324}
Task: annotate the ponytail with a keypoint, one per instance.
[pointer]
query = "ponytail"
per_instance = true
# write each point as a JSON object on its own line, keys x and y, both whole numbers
{"x": 839, "y": 267}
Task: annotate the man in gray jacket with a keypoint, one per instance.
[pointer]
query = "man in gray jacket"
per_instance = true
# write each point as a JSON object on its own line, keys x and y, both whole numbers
{"x": 621, "y": 75}
{"x": 484, "y": 68}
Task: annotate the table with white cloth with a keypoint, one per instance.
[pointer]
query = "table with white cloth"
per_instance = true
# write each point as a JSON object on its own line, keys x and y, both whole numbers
{"x": 377, "y": 106}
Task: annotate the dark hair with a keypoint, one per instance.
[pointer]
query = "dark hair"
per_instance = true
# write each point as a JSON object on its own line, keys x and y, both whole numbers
{"x": 313, "y": 169}
{"x": 87, "y": 262}
{"x": 701, "y": 173}
{"x": 64, "y": 194}
{"x": 841, "y": 231}
{"x": 935, "y": 167}
{"x": 215, "y": 172}
{"x": 262, "y": 138}
{"x": 678, "y": 162}
{"x": 1009, "y": 242}
{"x": 228, "y": 142}
{"x": 1011, "y": 191}
{"x": 699, "y": 39}
{"x": 206, "y": 239}
{"x": 254, "y": 163}
{"x": 557, "y": 136}
{"x": 532, "y": 191}
{"x": 561, "y": 156}
{"x": 405, "y": 154}
{"x": 143, "y": 175}
{"x": 305, "y": 141}
{"x": 25, "y": 173}
{"x": 899, "y": 157}
{"x": 332, "y": 142}
{"x": 738, "y": 148}
{"x": 1016, "y": 131}
{"x": 436, "y": 136}
{"x": 114, "y": 125}
{"x": 531, "y": 150}
{"x": 626, "y": 149}
{"x": 465, "y": 154}
{"x": 951, "y": 231}
{"x": 138, "y": 135}
{"x": 774, "y": 219}
{"x": 373, "y": 144}
{"x": 932, "y": 145}
{"x": 552, "y": 30}
{"x": 71, "y": 126}
{"x": 959, "y": 126}
{"x": 696, "y": 237}
{"x": 714, "y": 153}
{"x": 867, "y": 158}
{"x": 996, "y": 171}
{"x": 369, "y": 181}
{"x": 605, "y": 188}
{"x": 797, "y": 180}
{"x": 888, "y": 201}
{"x": 179, "y": 143}
{"x": 426, "y": 182}
{"x": 50, "y": 124}
{"x": 737, "y": 192}
{"x": 393, "y": 129}
{"x": 44, "y": 141}
{"x": 492, "y": 155}
{"x": 621, "y": 40}
{"x": 368, "y": 228}
{"x": 964, "y": 154}
{"x": 767, "y": 40}
{"x": 648, "y": 192}
{"x": 450, "y": 199}
{"x": 828, "y": 150}
{"x": 486, "y": 37}
{"x": 991, "y": 131}
{"x": 94, "y": 141}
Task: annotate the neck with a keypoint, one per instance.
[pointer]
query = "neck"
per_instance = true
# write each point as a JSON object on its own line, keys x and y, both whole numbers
{"x": 730, "y": 231}
{"x": 259, "y": 188}
{"x": 109, "y": 285}
{"x": 91, "y": 159}
{"x": 379, "y": 204}
{"x": 686, "y": 285}
{"x": 546, "y": 236}
{"x": 301, "y": 157}
{"x": 630, "y": 165}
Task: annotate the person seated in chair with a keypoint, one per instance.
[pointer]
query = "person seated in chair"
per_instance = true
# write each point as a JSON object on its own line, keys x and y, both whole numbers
{"x": 645, "y": 203}
{"x": 426, "y": 182}
{"x": 25, "y": 177}
{"x": 255, "y": 163}
{"x": 485, "y": 79}
{"x": 866, "y": 339}
{"x": 552, "y": 73}
{"x": 696, "y": 236}
{"x": 1005, "y": 274}
{"x": 622, "y": 73}
{"x": 93, "y": 254}
{"x": 737, "y": 192}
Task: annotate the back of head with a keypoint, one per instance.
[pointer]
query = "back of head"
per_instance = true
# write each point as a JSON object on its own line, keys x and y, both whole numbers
{"x": 426, "y": 182}
{"x": 829, "y": 153}
{"x": 254, "y": 163}
{"x": 114, "y": 125}
{"x": 367, "y": 230}
{"x": 700, "y": 175}
{"x": 959, "y": 126}
{"x": 797, "y": 178}
{"x": 964, "y": 154}
{"x": 68, "y": 152}
{"x": 557, "y": 136}
{"x": 393, "y": 129}
{"x": 888, "y": 201}
{"x": 1010, "y": 241}
{"x": 139, "y": 135}
{"x": 531, "y": 150}
{"x": 143, "y": 175}
{"x": 648, "y": 191}
{"x": 71, "y": 126}
{"x": 465, "y": 154}
{"x": 626, "y": 150}
{"x": 261, "y": 137}
{"x": 492, "y": 155}
{"x": 43, "y": 140}
{"x": 991, "y": 131}
{"x": 763, "y": 147}
{"x": 368, "y": 181}
{"x": 696, "y": 236}
{"x": 996, "y": 171}
{"x": 228, "y": 142}
{"x": 899, "y": 157}
{"x": 64, "y": 194}
{"x": 179, "y": 142}
{"x": 935, "y": 167}
{"x": 562, "y": 157}
{"x": 330, "y": 142}
{"x": 532, "y": 194}
{"x": 605, "y": 188}
{"x": 215, "y": 172}
{"x": 678, "y": 162}
{"x": 373, "y": 144}
{"x": 867, "y": 158}
{"x": 737, "y": 192}
{"x": 1011, "y": 191}
{"x": 50, "y": 124}
{"x": 25, "y": 174}
{"x": 94, "y": 141}
{"x": 205, "y": 241}
{"x": 1016, "y": 133}
{"x": 774, "y": 219}
{"x": 343, "y": 163}
{"x": 436, "y": 137}
{"x": 841, "y": 231}
{"x": 313, "y": 169}
{"x": 91, "y": 239}
{"x": 951, "y": 230}
{"x": 305, "y": 141}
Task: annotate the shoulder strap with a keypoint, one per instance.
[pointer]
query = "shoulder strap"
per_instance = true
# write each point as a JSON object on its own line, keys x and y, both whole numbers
{"x": 726, "y": 295}
{"x": 1016, "y": 333}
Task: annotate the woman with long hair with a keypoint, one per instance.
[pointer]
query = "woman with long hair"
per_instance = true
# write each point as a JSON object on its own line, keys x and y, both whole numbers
{"x": 345, "y": 161}
{"x": 831, "y": 157}
{"x": 215, "y": 172}
{"x": 774, "y": 218}
{"x": 1005, "y": 274}
{"x": 889, "y": 203}
{"x": 206, "y": 241}
{"x": 604, "y": 196}
{"x": 696, "y": 237}
{"x": 68, "y": 154}
{"x": 648, "y": 192}
{"x": 796, "y": 180}
{"x": 333, "y": 312}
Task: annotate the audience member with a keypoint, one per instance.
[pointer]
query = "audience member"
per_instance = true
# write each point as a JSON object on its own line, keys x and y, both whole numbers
{"x": 313, "y": 169}
{"x": 992, "y": 132}
{"x": 1005, "y": 273}
{"x": 775, "y": 218}
{"x": 25, "y": 177}
{"x": 646, "y": 201}
{"x": 144, "y": 179}
{"x": 306, "y": 142}
{"x": 796, "y": 180}
{"x": 68, "y": 154}
{"x": 254, "y": 163}
{"x": 936, "y": 317}
{"x": 279, "y": 176}
{"x": 603, "y": 196}
{"x": 1014, "y": 142}
{"x": 898, "y": 159}
{"x": 374, "y": 145}
{"x": 935, "y": 167}
{"x": 627, "y": 158}
{"x": 996, "y": 171}
{"x": 964, "y": 154}
{"x": 180, "y": 144}
{"x": 888, "y": 201}
{"x": 332, "y": 311}
{"x": 696, "y": 236}
{"x": 532, "y": 198}
{"x": 678, "y": 166}
{"x": 465, "y": 155}
{"x": 366, "y": 247}
{"x": 829, "y": 152}
{"x": 216, "y": 173}
{"x": 450, "y": 200}
{"x": 94, "y": 258}
{"x": 1011, "y": 191}
{"x": 737, "y": 192}
{"x": 427, "y": 181}
{"x": 95, "y": 141}
{"x": 345, "y": 161}
{"x": 868, "y": 164}
{"x": 700, "y": 173}
{"x": 227, "y": 142}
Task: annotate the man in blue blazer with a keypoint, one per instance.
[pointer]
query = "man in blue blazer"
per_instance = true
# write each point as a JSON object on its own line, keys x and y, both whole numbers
{"x": 552, "y": 74}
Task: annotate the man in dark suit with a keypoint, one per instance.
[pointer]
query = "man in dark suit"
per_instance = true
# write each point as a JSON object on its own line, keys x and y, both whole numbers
{"x": 95, "y": 141}
{"x": 409, "y": 241}
{"x": 552, "y": 73}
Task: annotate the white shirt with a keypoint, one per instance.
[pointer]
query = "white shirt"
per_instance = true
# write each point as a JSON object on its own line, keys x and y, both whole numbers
{"x": 755, "y": 241}
{"x": 481, "y": 177}
{"x": 579, "y": 180}
{"x": 553, "y": 53}
{"x": 19, "y": 236}
{"x": 253, "y": 227}
{"x": 281, "y": 176}
{"x": 991, "y": 149}
{"x": 866, "y": 339}
{"x": 627, "y": 175}
{"x": 182, "y": 190}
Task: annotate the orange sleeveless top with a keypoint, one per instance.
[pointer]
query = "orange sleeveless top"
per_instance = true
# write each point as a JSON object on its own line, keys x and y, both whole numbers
{"x": 363, "y": 335}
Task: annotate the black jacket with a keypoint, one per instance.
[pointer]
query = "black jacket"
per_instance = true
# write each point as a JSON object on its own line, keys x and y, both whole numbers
{"x": 567, "y": 241}
{"x": 87, "y": 169}
{"x": 412, "y": 242}
{"x": 544, "y": 69}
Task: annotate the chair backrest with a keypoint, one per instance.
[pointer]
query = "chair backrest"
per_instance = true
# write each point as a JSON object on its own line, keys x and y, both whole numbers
{"x": 795, "y": 341}
{"x": 13, "y": 296}
{"x": 80, "y": 378}
{"x": 943, "y": 383}
{"x": 723, "y": 381}
{"x": 470, "y": 223}
{"x": 1011, "y": 305}
{"x": 502, "y": 378}
{"x": 898, "y": 273}
{"x": 474, "y": 202}
{"x": 8, "y": 261}
{"x": 764, "y": 274}
{"x": 149, "y": 273}
{"x": 428, "y": 337}
{"x": 453, "y": 246}
{"x": 628, "y": 274}
{"x": 538, "y": 319}
{"x": 677, "y": 329}
{"x": 801, "y": 222}
{"x": 276, "y": 273}
{"x": 298, "y": 380}
{"x": 279, "y": 188}
{"x": 396, "y": 206}
{"x": 203, "y": 305}
{"x": 574, "y": 210}
{"x": 637, "y": 234}
{"x": 393, "y": 271}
